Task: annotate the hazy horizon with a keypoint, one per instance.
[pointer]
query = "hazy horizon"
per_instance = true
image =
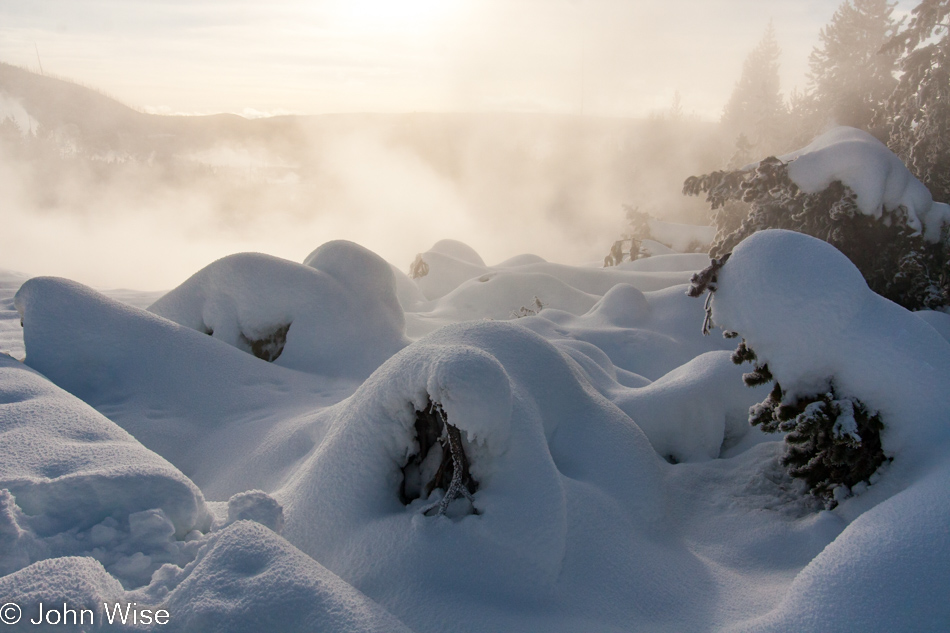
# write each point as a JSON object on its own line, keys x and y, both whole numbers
{"x": 601, "y": 57}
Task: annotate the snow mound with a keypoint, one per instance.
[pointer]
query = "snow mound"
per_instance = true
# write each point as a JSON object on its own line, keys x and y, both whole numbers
{"x": 622, "y": 306}
{"x": 886, "y": 572}
{"x": 873, "y": 172}
{"x": 247, "y": 579}
{"x": 80, "y": 582}
{"x": 457, "y": 285}
{"x": 507, "y": 295}
{"x": 521, "y": 260}
{"x": 337, "y": 315}
{"x": 74, "y": 483}
{"x": 457, "y": 250}
{"x": 807, "y": 312}
{"x": 531, "y": 427}
{"x": 179, "y": 392}
{"x": 447, "y": 272}
{"x": 257, "y": 506}
{"x": 696, "y": 410}
{"x": 360, "y": 271}
{"x": 644, "y": 333}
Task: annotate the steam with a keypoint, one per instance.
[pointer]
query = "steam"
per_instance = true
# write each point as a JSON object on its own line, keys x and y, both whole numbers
{"x": 396, "y": 184}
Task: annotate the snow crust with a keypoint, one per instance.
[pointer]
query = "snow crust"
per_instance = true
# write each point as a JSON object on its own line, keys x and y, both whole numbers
{"x": 873, "y": 172}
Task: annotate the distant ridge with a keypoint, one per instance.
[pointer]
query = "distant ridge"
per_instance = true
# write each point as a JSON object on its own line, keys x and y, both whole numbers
{"x": 563, "y": 162}
{"x": 100, "y": 122}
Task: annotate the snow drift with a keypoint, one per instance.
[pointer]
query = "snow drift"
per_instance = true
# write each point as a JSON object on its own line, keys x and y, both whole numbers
{"x": 74, "y": 483}
{"x": 617, "y": 483}
{"x": 337, "y": 314}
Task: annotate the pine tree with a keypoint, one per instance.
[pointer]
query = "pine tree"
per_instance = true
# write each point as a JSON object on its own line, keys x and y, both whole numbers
{"x": 896, "y": 261}
{"x": 676, "y": 108}
{"x": 917, "y": 113}
{"x": 806, "y": 119}
{"x": 756, "y": 109}
{"x": 850, "y": 77}
{"x": 831, "y": 440}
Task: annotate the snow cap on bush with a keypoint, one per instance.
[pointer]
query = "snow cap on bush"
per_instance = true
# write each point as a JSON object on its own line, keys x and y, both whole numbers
{"x": 808, "y": 314}
{"x": 873, "y": 172}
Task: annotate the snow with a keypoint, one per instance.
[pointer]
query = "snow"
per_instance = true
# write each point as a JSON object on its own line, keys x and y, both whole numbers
{"x": 808, "y": 313}
{"x": 247, "y": 578}
{"x": 873, "y": 172}
{"x": 939, "y": 321}
{"x": 886, "y": 572}
{"x": 619, "y": 484}
{"x": 180, "y": 402}
{"x": 690, "y": 412}
{"x": 458, "y": 250}
{"x": 11, "y": 338}
{"x": 75, "y": 483}
{"x": 340, "y": 306}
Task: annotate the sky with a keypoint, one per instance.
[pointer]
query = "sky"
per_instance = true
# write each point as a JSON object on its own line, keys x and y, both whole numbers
{"x": 597, "y": 57}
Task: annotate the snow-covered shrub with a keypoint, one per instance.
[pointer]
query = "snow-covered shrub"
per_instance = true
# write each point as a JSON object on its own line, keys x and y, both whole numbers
{"x": 543, "y": 447}
{"x": 418, "y": 268}
{"x": 427, "y": 470}
{"x": 830, "y": 441}
{"x": 847, "y": 189}
{"x": 848, "y": 392}
{"x": 337, "y": 313}
{"x": 645, "y": 236}
{"x": 529, "y": 310}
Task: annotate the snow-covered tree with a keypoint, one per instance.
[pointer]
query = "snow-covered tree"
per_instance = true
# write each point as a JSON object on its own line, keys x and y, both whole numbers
{"x": 889, "y": 250}
{"x": 917, "y": 114}
{"x": 850, "y": 77}
{"x": 831, "y": 440}
{"x": 627, "y": 248}
{"x": 756, "y": 109}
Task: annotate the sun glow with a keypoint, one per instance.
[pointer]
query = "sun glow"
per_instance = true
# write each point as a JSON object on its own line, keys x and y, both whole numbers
{"x": 395, "y": 14}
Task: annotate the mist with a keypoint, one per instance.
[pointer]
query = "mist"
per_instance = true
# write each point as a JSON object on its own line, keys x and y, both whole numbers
{"x": 512, "y": 126}
{"x": 147, "y": 206}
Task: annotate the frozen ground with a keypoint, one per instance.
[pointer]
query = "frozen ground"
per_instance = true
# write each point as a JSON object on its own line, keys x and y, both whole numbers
{"x": 150, "y": 458}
